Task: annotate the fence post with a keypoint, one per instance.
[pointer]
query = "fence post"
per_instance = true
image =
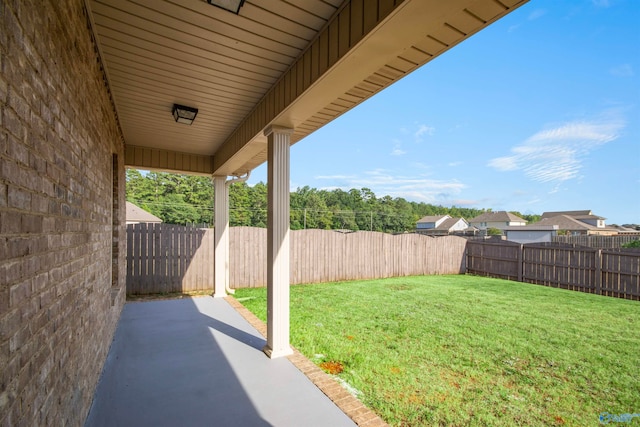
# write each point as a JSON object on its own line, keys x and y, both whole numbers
{"x": 598, "y": 274}
{"x": 520, "y": 266}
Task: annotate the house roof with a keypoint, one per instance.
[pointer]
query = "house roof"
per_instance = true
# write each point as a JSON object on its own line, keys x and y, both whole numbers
{"x": 448, "y": 223}
{"x": 623, "y": 229}
{"x": 137, "y": 214}
{"x": 569, "y": 213}
{"x": 432, "y": 218}
{"x": 500, "y": 216}
{"x": 565, "y": 222}
{"x": 581, "y": 217}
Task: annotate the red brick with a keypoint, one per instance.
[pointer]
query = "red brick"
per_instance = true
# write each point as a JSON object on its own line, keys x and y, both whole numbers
{"x": 375, "y": 422}
{"x": 10, "y": 222}
{"x": 18, "y": 198}
{"x": 3, "y": 195}
{"x": 3, "y": 89}
{"x": 4, "y": 297}
{"x": 12, "y": 123}
{"x": 19, "y": 292}
{"x": 19, "y": 338}
{"x": 31, "y": 224}
{"x": 18, "y": 104}
{"x": 9, "y": 322}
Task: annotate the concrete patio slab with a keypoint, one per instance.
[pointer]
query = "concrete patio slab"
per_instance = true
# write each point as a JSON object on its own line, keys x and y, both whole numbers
{"x": 197, "y": 362}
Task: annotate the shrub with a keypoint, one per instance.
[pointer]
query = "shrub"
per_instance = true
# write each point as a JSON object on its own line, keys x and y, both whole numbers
{"x": 634, "y": 244}
{"x": 494, "y": 231}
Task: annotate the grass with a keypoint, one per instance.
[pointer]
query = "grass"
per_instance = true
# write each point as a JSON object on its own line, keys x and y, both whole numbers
{"x": 464, "y": 350}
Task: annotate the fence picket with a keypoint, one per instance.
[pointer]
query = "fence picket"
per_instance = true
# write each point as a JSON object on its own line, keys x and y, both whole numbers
{"x": 608, "y": 272}
{"x": 595, "y": 241}
{"x": 168, "y": 258}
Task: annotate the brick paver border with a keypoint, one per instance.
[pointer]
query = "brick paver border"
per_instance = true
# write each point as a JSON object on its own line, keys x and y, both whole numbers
{"x": 349, "y": 404}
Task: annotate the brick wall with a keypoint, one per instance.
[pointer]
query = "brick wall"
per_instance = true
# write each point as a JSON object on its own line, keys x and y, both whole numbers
{"x": 58, "y": 135}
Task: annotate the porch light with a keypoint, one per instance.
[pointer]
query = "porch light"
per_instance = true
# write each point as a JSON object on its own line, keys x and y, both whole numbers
{"x": 230, "y": 5}
{"x": 184, "y": 114}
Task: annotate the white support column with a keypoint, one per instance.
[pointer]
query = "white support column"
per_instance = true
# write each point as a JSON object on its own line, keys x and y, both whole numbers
{"x": 221, "y": 236}
{"x": 278, "y": 242}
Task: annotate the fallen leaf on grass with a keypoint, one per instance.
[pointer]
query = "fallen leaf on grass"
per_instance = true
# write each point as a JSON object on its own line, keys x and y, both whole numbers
{"x": 332, "y": 367}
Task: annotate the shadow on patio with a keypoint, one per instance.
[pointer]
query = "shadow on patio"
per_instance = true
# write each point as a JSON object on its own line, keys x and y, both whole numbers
{"x": 196, "y": 362}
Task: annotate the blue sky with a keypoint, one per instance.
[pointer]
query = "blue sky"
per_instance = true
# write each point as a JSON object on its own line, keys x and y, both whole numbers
{"x": 538, "y": 112}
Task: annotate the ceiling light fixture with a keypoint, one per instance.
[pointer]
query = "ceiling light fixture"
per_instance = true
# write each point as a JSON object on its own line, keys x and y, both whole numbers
{"x": 232, "y": 6}
{"x": 184, "y": 114}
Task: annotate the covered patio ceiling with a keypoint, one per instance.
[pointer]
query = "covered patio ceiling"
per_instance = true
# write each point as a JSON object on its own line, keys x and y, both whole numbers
{"x": 296, "y": 64}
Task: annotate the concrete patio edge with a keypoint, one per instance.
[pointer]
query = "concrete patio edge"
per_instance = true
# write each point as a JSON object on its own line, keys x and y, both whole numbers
{"x": 349, "y": 404}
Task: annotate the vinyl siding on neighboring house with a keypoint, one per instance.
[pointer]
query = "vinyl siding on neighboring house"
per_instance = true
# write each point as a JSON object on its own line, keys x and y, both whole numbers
{"x": 429, "y": 222}
{"x": 498, "y": 220}
{"x": 531, "y": 234}
{"x": 445, "y": 226}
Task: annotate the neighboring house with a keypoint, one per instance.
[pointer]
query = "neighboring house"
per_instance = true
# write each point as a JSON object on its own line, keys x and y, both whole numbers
{"x": 499, "y": 220}
{"x": 624, "y": 230}
{"x": 431, "y": 222}
{"x": 578, "y": 223}
{"x": 568, "y": 224}
{"x": 585, "y": 216}
{"x": 441, "y": 225}
{"x": 136, "y": 215}
{"x": 531, "y": 233}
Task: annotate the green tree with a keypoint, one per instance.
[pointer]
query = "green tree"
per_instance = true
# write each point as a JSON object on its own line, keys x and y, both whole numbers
{"x": 258, "y": 207}
{"x": 176, "y": 199}
{"x": 492, "y": 231}
{"x": 182, "y": 199}
{"x": 240, "y": 205}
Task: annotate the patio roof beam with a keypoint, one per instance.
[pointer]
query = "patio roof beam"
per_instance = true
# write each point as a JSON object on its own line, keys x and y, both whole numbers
{"x": 364, "y": 48}
{"x": 167, "y": 160}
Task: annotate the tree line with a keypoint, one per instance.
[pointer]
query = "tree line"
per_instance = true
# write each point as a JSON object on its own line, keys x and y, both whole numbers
{"x": 188, "y": 199}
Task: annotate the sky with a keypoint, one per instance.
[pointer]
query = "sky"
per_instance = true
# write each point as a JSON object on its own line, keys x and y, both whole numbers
{"x": 538, "y": 112}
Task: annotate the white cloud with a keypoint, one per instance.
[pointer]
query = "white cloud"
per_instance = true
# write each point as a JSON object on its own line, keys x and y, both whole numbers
{"x": 454, "y": 164}
{"x": 334, "y": 177}
{"x": 624, "y": 70}
{"x": 504, "y": 163}
{"x": 556, "y": 154}
{"x": 422, "y": 131}
{"x": 464, "y": 202}
{"x": 383, "y": 182}
{"x": 538, "y": 13}
{"x": 397, "y": 148}
{"x": 601, "y": 3}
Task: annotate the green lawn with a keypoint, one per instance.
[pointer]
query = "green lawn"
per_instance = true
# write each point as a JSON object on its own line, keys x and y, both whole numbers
{"x": 464, "y": 350}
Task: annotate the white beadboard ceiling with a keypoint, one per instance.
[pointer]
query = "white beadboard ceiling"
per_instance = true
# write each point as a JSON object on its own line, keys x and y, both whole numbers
{"x": 160, "y": 52}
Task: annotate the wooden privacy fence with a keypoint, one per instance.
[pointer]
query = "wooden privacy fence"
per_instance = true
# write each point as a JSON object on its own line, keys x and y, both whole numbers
{"x": 329, "y": 256}
{"x": 608, "y": 242}
{"x": 165, "y": 258}
{"x": 611, "y": 272}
